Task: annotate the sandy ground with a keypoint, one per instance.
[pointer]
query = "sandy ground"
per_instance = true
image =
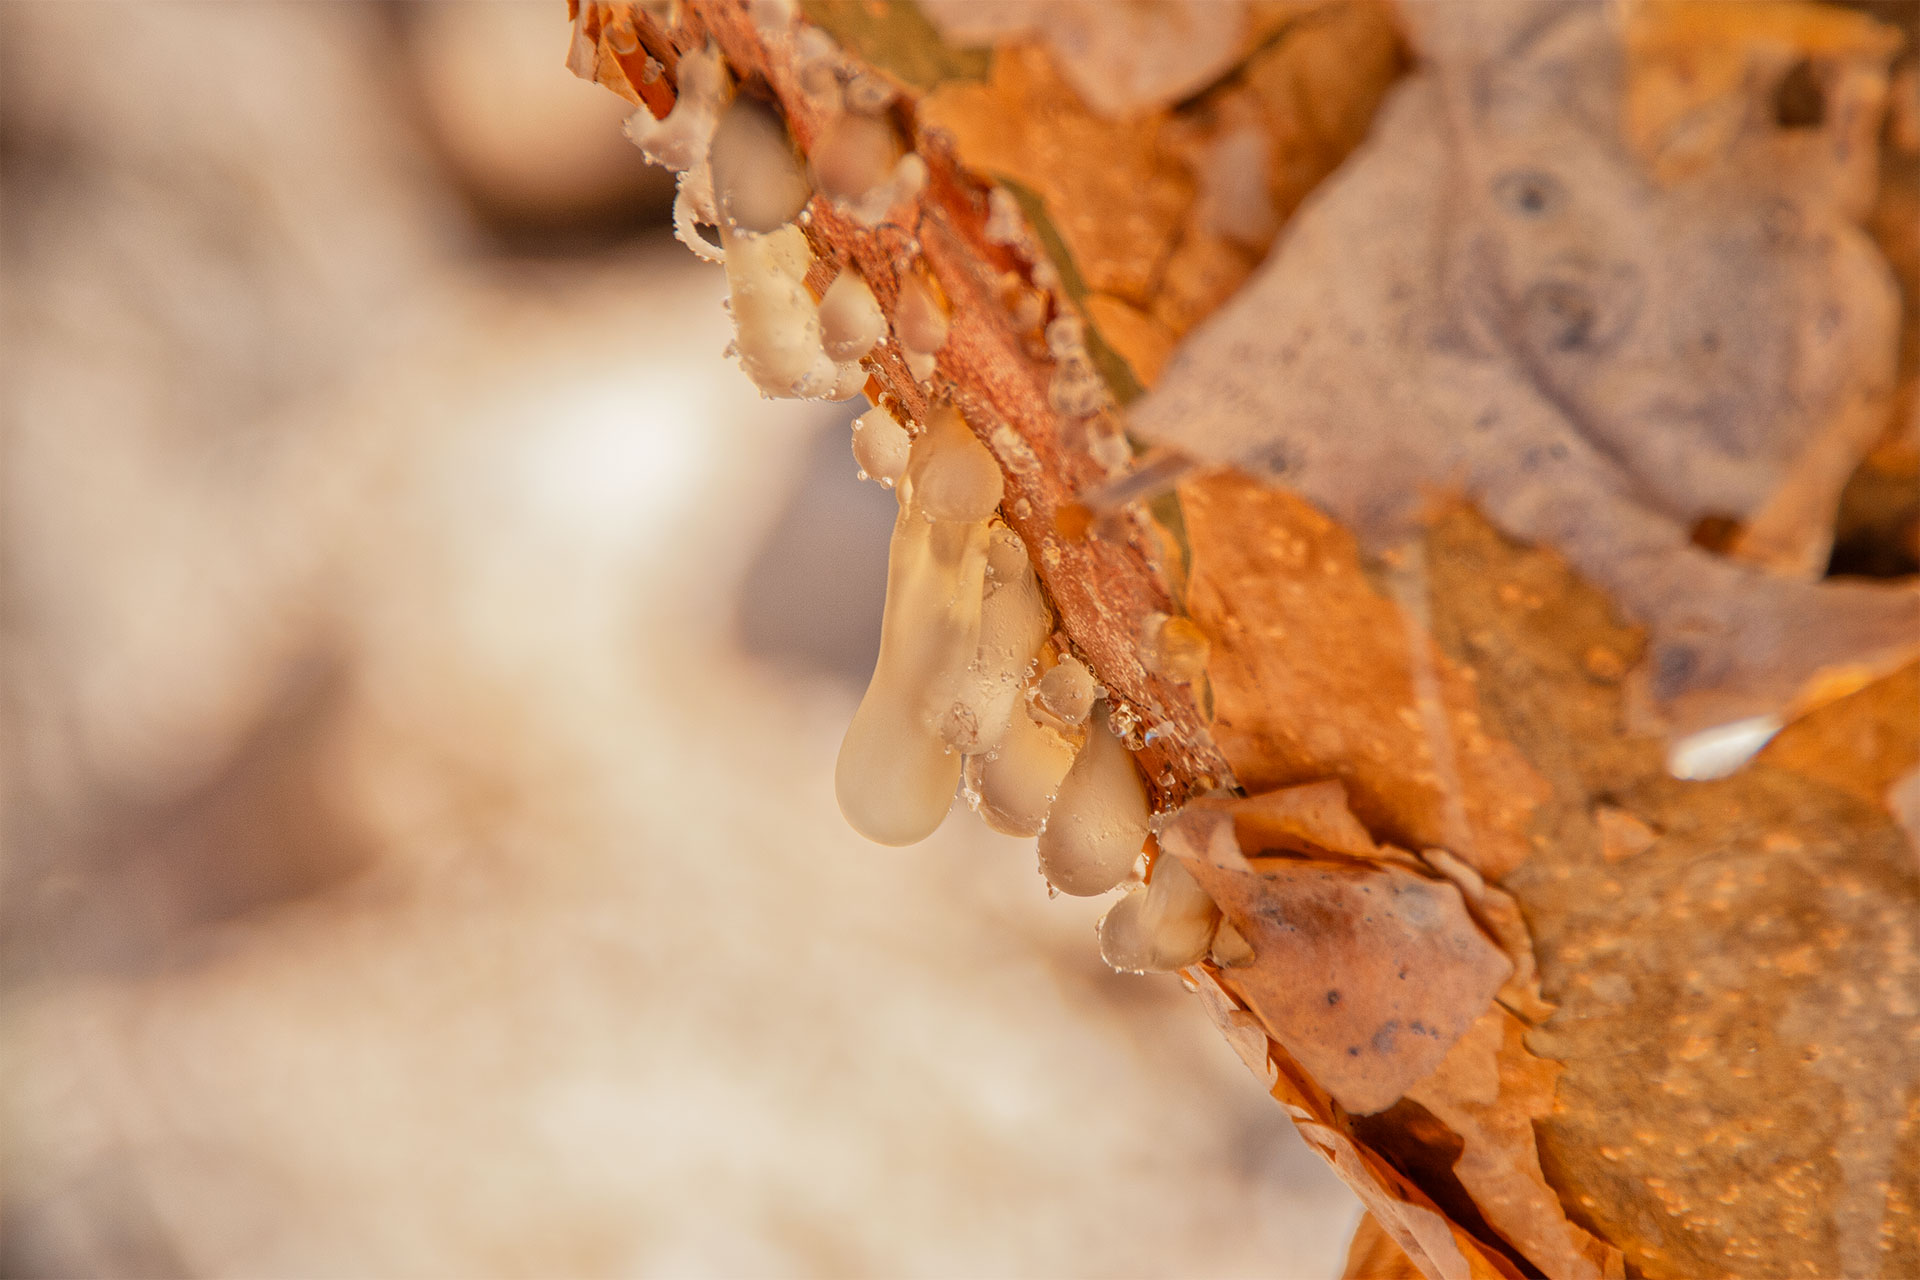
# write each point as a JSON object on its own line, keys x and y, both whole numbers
{"x": 423, "y": 676}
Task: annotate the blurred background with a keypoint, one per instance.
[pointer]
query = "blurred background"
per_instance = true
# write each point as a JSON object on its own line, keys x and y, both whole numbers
{"x": 424, "y": 658}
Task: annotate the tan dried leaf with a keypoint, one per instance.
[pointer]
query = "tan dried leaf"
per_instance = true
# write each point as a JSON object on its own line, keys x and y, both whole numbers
{"x": 1306, "y": 819}
{"x": 1312, "y": 678}
{"x": 1366, "y": 972}
{"x": 1372, "y": 1255}
{"x": 1124, "y": 59}
{"x": 1497, "y": 912}
{"x": 1489, "y": 1091}
{"x": 1440, "y": 1248}
{"x": 1116, "y": 198}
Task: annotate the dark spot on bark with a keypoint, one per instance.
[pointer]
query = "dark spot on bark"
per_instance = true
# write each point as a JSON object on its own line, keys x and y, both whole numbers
{"x": 1530, "y": 192}
{"x": 1384, "y": 1037}
{"x": 1353, "y": 1051}
{"x": 1781, "y": 222}
{"x": 1801, "y": 100}
{"x": 1673, "y": 667}
{"x": 1561, "y": 315}
{"x": 1333, "y": 997}
{"x": 1279, "y": 458}
{"x": 1715, "y": 533}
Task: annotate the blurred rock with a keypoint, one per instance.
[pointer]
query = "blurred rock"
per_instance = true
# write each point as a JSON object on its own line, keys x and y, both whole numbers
{"x": 539, "y": 155}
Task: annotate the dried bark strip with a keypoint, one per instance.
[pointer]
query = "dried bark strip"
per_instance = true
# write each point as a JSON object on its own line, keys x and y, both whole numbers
{"x": 1104, "y": 587}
